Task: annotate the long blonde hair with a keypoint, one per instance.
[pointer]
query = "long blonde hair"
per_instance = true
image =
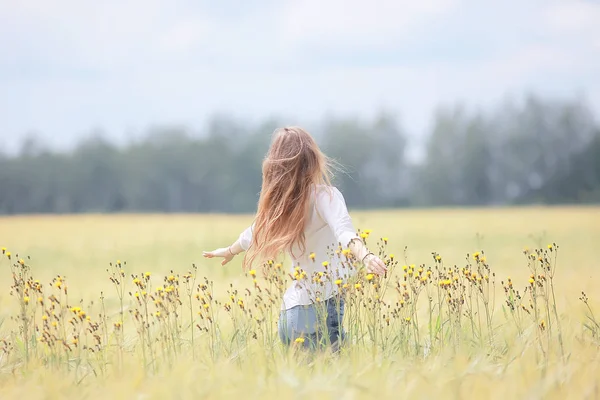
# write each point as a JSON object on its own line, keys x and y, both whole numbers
{"x": 293, "y": 166}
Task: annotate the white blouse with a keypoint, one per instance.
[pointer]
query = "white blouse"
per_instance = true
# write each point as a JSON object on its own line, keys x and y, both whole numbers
{"x": 329, "y": 225}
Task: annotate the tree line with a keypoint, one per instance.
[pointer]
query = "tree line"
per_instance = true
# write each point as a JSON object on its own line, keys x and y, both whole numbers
{"x": 533, "y": 151}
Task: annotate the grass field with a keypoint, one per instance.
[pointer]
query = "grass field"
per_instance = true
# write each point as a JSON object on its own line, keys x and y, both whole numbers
{"x": 481, "y": 351}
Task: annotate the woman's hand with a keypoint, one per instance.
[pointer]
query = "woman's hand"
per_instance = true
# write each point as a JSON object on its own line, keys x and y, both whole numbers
{"x": 224, "y": 252}
{"x": 374, "y": 264}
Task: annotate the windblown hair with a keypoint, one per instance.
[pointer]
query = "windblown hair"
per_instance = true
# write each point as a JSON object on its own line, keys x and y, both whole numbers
{"x": 292, "y": 168}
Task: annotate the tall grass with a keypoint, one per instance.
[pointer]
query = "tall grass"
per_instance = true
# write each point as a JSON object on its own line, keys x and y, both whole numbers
{"x": 425, "y": 321}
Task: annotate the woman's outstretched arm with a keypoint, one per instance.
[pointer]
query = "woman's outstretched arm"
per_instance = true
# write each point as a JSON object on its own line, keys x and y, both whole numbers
{"x": 227, "y": 253}
{"x": 334, "y": 211}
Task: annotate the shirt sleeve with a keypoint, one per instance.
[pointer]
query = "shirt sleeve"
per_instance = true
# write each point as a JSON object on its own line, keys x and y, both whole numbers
{"x": 331, "y": 206}
{"x": 245, "y": 238}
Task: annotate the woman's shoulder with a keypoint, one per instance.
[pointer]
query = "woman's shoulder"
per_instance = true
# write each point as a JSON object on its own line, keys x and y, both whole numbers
{"x": 326, "y": 192}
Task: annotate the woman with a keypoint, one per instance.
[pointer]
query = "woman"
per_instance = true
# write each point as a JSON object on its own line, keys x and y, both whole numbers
{"x": 301, "y": 214}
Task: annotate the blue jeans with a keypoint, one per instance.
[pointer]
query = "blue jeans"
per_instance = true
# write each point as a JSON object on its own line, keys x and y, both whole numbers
{"x": 317, "y": 324}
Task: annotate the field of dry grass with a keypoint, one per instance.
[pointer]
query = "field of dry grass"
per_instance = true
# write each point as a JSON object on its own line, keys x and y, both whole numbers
{"x": 429, "y": 348}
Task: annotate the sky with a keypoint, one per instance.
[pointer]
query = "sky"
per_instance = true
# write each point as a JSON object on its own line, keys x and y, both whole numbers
{"x": 68, "y": 67}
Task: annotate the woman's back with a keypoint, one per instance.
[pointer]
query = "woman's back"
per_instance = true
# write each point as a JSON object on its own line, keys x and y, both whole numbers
{"x": 327, "y": 227}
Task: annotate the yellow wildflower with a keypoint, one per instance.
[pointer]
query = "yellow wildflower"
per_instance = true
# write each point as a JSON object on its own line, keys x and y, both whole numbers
{"x": 252, "y": 272}
{"x": 299, "y": 340}
{"x": 26, "y": 300}
{"x": 312, "y": 256}
{"x": 370, "y": 277}
{"x": 21, "y": 261}
{"x": 147, "y": 275}
{"x": 357, "y": 286}
{"x": 338, "y": 282}
{"x": 325, "y": 263}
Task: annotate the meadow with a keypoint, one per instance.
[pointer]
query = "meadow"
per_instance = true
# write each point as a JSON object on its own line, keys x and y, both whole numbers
{"x": 480, "y": 303}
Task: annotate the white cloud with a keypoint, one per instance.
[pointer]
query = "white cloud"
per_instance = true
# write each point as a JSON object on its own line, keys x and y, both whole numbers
{"x": 68, "y": 66}
{"x": 355, "y": 23}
